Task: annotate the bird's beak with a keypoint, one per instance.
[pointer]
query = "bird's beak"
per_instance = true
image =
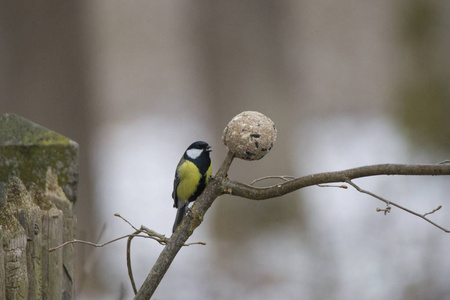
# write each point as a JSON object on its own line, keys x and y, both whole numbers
{"x": 208, "y": 149}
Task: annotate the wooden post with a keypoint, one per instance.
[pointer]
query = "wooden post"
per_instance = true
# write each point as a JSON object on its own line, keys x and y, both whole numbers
{"x": 38, "y": 181}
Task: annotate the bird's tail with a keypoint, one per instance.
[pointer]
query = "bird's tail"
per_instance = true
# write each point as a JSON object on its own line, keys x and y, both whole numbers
{"x": 181, "y": 212}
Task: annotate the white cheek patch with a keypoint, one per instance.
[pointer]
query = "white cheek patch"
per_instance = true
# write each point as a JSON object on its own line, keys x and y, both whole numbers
{"x": 194, "y": 153}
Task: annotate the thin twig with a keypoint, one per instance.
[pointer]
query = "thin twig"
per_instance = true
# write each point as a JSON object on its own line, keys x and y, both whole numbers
{"x": 433, "y": 211}
{"x": 119, "y": 216}
{"x": 388, "y": 203}
{"x": 282, "y": 177}
{"x": 368, "y": 193}
{"x": 93, "y": 244}
{"x": 341, "y": 186}
{"x": 160, "y": 238}
{"x": 130, "y": 271}
{"x": 386, "y": 210}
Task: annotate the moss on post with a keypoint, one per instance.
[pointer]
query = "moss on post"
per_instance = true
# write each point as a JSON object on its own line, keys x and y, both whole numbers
{"x": 28, "y": 149}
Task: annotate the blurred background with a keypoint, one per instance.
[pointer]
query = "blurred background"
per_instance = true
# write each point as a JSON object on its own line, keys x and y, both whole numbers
{"x": 348, "y": 83}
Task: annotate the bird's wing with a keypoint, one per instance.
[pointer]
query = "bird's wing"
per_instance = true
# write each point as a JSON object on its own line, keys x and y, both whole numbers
{"x": 176, "y": 182}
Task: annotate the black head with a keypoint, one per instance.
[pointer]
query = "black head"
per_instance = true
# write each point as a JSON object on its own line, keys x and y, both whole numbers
{"x": 197, "y": 150}
{"x": 201, "y": 146}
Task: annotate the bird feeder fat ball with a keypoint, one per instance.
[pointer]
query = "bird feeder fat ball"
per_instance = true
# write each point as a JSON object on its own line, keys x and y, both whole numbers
{"x": 250, "y": 135}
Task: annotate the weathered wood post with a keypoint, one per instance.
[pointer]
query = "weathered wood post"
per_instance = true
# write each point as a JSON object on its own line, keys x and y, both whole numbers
{"x": 38, "y": 184}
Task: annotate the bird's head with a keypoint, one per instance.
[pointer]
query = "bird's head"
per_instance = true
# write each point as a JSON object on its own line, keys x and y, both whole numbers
{"x": 198, "y": 148}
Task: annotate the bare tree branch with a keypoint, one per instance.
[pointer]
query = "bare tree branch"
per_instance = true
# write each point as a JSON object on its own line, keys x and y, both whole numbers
{"x": 220, "y": 184}
{"x": 262, "y": 193}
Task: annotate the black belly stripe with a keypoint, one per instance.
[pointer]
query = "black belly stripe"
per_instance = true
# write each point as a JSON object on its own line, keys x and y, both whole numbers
{"x": 201, "y": 186}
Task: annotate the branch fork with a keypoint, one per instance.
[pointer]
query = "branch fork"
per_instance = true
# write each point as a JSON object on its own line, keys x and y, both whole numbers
{"x": 222, "y": 185}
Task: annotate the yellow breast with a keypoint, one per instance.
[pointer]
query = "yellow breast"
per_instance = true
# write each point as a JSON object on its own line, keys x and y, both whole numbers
{"x": 189, "y": 179}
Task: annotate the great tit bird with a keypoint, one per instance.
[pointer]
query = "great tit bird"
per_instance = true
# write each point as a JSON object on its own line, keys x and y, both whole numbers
{"x": 191, "y": 177}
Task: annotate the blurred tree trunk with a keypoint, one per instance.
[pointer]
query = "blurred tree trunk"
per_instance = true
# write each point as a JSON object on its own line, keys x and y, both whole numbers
{"x": 44, "y": 77}
{"x": 424, "y": 91}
